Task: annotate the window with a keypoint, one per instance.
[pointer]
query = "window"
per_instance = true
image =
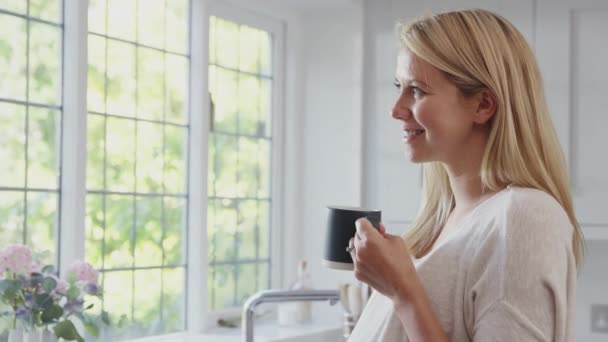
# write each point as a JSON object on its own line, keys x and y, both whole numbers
{"x": 136, "y": 205}
{"x": 240, "y": 142}
{"x": 30, "y": 117}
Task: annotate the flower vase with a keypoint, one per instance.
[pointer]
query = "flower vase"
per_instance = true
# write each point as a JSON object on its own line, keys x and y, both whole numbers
{"x": 47, "y": 336}
{"x": 16, "y": 335}
{"x": 32, "y": 336}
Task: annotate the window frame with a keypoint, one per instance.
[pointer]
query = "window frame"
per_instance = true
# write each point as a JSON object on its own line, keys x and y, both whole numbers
{"x": 277, "y": 232}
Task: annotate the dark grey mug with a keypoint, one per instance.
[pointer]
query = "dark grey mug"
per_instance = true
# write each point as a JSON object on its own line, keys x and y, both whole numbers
{"x": 340, "y": 229}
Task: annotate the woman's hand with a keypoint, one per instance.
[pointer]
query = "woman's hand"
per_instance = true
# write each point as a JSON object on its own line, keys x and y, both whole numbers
{"x": 382, "y": 261}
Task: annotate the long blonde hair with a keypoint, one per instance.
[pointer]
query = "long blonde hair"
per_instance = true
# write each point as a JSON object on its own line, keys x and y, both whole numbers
{"x": 476, "y": 50}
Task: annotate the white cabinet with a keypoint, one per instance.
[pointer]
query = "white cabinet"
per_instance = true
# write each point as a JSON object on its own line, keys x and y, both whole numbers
{"x": 570, "y": 38}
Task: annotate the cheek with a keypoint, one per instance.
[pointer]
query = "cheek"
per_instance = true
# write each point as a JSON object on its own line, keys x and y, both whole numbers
{"x": 443, "y": 125}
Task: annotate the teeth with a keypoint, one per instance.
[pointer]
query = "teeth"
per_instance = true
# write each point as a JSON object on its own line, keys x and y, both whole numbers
{"x": 412, "y": 132}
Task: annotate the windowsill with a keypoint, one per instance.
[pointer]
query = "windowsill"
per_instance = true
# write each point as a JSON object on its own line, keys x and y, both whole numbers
{"x": 327, "y": 320}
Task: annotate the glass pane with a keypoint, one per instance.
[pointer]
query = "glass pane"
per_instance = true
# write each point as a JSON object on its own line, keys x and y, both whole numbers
{"x": 97, "y": 17}
{"x": 247, "y": 284}
{"x": 149, "y": 157}
{"x": 151, "y": 22}
{"x": 225, "y": 165}
{"x": 211, "y": 158}
{"x": 227, "y": 40}
{"x": 211, "y": 251}
{"x": 119, "y": 231}
{"x": 13, "y": 40}
{"x": 46, "y": 9}
{"x": 174, "y": 303}
{"x": 265, "y": 49}
{"x": 265, "y": 123}
{"x": 150, "y": 84}
{"x": 177, "y": 26}
{"x": 248, "y": 171}
{"x": 96, "y": 133}
{"x": 212, "y": 40}
{"x": 45, "y": 57}
{"x": 247, "y": 230}
{"x": 249, "y": 104}
{"x": 118, "y": 294}
{"x": 12, "y": 145}
{"x": 177, "y": 89}
{"x": 12, "y": 211}
{"x": 149, "y": 232}
{"x": 264, "y": 229}
{"x": 43, "y": 152}
{"x": 121, "y": 78}
{"x": 121, "y": 19}
{"x": 41, "y": 224}
{"x": 148, "y": 290}
{"x": 224, "y": 230}
{"x": 210, "y": 288}
{"x": 262, "y": 273}
{"x": 94, "y": 223}
{"x": 223, "y": 285}
{"x": 264, "y": 164}
{"x": 248, "y": 49}
{"x": 176, "y": 142}
{"x": 223, "y": 86}
{"x": 120, "y": 149}
{"x": 96, "y": 90}
{"x": 174, "y": 243}
{"x": 18, "y": 6}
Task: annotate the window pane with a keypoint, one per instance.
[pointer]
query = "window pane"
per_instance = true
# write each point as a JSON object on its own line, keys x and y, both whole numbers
{"x": 265, "y": 123}
{"x": 118, "y": 295}
{"x": 42, "y": 154}
{"x": 264, "y": 172}
{"x": 176, "y": 97}
{"x": 96, "y": 90}
{"x": 223, "y": 88}
{"x": 18, "y": 6}
{"x": 94, "y": 230}
{"x": 149, "y": 232}
{"x": 147, "y": 304}
{"x": 13, "y": 39}
{"x": 119, "y": 231}
{"x": 175, "y": 159}
{"x": 42, "y": 224}
{"x": 120, "y": 149}
{"x": 224, "y": 231}
{"x": 177, "y": 26}
{"x": 227, "y": 43}
{"x": 248, "y": 171}
{"x": 121, "y": 19}
{"x": 262, "y": 272}
{"x": 225, "y": 155}
{"x": 265, "y": 53}
{"x": 96, "y": 134}
{"x": 249, "y": 104}
{"x": 249, "y": 56}
{"x": 264, "y": 227}
{"x": 97, "y": 17}
{"x": 150, "y": 84}
{"x": 121, "y": 78}
{"x": 175, "y": 231}
{"x": 46, "y": 9}
{"x": 174, "y": 303}
{"x": 151, "y": 22}
{"x": 45, "y": 56}
{"x": 149, "y": 157}
{"x": 12, "y": 212}
{"x": 248, "y": 230}
{"x": 247, "y": 284}
{"x": 12, "y": 145}
{"x": 223, "y": 284}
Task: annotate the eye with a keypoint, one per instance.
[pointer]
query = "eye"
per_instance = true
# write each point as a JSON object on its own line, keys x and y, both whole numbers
{"x": 397, "y": 84}
{"x": 417, "y": 92}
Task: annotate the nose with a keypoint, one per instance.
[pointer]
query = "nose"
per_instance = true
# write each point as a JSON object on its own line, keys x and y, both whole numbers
{"x": 401, "y": 110}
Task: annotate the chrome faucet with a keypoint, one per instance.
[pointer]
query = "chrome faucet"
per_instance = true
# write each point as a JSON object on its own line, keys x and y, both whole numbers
{"x": 277, "y": 296}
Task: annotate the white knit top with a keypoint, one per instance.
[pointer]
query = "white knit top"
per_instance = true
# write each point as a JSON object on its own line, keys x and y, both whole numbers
{"x": 507, "y": 273}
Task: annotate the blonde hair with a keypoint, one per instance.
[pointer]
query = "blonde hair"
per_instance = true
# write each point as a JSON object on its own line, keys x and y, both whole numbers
{"x": 476, "y": 50}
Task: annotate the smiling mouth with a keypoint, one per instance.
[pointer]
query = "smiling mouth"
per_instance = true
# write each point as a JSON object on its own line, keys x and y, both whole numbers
{"x": 410, "y": 133}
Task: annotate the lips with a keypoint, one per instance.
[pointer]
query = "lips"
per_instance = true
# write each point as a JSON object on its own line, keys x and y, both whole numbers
{"x": 408, "y": 133}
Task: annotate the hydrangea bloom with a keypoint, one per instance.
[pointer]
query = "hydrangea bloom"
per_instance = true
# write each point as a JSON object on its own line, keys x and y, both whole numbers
{"x": 84, "y": 273}
{"x": 15, "y": 258}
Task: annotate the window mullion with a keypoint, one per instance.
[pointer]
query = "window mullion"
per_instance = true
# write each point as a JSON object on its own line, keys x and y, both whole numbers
{"x": 74, "y": 132}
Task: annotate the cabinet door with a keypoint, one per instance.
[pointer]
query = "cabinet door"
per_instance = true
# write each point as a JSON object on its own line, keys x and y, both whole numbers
{"x": 391, "y": 182}
{"x": 572, "y": 49}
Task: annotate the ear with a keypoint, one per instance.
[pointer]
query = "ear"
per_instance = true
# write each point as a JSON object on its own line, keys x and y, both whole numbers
{"x": 486, "y": 107}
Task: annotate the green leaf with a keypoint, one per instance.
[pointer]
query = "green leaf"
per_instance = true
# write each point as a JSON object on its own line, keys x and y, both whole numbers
{"x": 73, "y": 292}
{"x": 9, "y": 289}
{"x": 48, "y": 269}
{"x": 105, "y": 317}
{"x": 67, "y": 331}
{"x": 36, "y": 279}
{"x": 91, "y": 328}
{"x": 49, "y": 284}
{"x": 43, "y": 301}
{"x": 51, "y": 314}
{"x": 89, "y": 306}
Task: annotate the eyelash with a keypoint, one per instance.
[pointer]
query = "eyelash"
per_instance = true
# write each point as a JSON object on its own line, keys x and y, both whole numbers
{"x": 414, "y": 89}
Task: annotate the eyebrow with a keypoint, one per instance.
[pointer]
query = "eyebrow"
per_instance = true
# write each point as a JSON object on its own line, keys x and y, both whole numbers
{"x": 412, "y": 81}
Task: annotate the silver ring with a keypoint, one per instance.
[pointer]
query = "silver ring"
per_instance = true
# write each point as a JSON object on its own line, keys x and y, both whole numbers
{"x": 350, "y": 249}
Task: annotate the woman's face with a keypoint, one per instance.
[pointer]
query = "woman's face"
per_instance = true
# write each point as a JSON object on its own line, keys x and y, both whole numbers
{"x": 438, "y": 121}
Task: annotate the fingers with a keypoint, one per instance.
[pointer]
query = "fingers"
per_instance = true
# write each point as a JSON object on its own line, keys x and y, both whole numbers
{"x": 382, "y": 229}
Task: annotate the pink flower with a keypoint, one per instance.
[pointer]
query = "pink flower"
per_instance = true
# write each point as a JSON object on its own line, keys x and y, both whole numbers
{"x": 84, "y": 272}
{"x": 62, "y": 285}
{"x": 34, "y": 268}
{"x": 15, "y": 258}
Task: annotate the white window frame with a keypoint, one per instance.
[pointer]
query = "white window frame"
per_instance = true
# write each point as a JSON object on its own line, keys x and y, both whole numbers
{"x": 277, "y": 233}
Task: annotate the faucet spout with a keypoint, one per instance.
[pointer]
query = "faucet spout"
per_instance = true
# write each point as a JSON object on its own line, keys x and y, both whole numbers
{"x": 278, "y": 296}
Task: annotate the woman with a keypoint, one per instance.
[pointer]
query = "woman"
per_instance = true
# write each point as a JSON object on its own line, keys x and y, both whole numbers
{"x": 494, "y": 252}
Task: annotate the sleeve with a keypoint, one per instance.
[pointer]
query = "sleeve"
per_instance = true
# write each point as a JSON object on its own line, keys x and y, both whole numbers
{"x": 526, "y": 275}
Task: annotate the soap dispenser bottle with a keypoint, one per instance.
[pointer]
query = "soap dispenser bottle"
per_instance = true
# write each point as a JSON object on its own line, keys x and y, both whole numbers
{"x": 303, "y": 282}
